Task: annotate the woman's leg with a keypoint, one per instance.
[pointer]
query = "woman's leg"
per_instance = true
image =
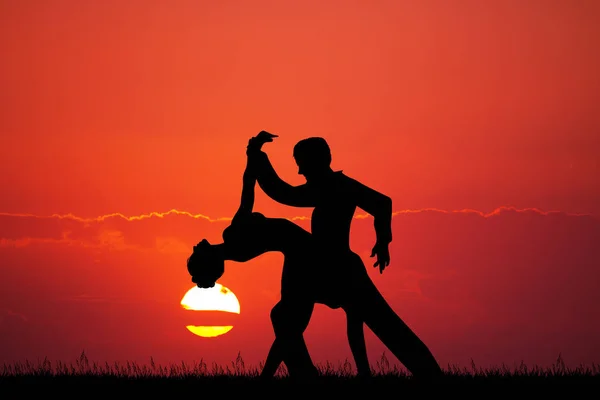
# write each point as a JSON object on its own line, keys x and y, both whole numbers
{"x": 274, "y": 359}
{"x": 254, "y": 235}
{"x": 280, "y": 320}
{"x": 290, "y": 317}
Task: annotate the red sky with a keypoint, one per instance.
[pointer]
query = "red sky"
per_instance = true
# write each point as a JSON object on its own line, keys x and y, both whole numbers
{"x": 142, "y": 107}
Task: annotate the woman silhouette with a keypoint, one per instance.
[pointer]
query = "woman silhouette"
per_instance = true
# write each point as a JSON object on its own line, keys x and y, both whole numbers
{"x": 309, "y": 276}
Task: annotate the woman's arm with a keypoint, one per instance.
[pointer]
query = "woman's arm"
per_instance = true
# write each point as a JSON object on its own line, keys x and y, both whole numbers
{"x": 247, "y": 198}
{"x": 248, "y": 184}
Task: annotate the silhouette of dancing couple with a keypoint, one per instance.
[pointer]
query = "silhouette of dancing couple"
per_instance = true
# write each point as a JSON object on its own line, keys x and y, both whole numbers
{"x": 319, "y": 266}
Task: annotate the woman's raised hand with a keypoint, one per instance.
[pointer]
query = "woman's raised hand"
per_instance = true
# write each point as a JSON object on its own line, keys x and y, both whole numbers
{"x": 265, "y": 136}
{"x": 255, "y": 143}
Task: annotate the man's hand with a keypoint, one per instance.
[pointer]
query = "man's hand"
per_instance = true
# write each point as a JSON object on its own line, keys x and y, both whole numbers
{"x": 383, "y": 256}
{"x": 255, "y": 143}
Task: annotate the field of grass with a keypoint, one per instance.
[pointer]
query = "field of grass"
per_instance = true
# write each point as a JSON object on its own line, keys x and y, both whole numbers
{"x": 16, "y": 380}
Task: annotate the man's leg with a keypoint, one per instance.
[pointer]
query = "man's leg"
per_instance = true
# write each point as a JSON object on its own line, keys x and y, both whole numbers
{"x": 356, "y": 339}
{"x": 395, "y": 334}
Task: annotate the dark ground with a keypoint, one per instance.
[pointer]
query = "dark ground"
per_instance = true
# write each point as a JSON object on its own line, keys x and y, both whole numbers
{"x": 90, "y": 380}
{"x": 574, "y": 386}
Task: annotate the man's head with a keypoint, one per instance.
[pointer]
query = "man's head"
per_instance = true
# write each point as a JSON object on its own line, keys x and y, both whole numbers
{"x": 313, "y": 157}
{"x": 205, "y": 265}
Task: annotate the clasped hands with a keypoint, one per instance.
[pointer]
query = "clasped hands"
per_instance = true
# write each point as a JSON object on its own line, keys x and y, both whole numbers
{"x": 255, "y": 143}
{"x": 254, "y": 146}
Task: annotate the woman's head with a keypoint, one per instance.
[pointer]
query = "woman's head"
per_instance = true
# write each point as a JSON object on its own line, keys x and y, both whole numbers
{"x": 206, "y": 265}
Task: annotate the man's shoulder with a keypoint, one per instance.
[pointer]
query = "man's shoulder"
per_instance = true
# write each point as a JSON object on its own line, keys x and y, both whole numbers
{"x": 340, "y": 176}
{"x": 345, "y": 182}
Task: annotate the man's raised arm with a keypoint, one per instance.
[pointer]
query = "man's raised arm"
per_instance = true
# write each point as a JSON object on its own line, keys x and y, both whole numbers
{"x": 276, "y": 188}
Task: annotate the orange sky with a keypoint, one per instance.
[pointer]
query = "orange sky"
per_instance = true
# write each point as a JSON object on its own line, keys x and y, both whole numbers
{"x": 136, "y": 107}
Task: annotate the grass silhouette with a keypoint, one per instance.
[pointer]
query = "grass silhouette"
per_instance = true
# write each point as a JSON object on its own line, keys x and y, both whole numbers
{"x": 199, "y": 376}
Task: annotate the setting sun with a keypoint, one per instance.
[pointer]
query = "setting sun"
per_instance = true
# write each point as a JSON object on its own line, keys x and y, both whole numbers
{"x": 217, "y": 298}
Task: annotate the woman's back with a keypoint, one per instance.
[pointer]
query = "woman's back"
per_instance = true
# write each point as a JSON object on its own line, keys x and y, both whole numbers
{"x": 311, "y": 270}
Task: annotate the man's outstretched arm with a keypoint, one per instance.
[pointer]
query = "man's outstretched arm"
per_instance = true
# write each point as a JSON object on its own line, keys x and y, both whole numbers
{"x": 276, "y": 188}
{"x": 380, "y": 207}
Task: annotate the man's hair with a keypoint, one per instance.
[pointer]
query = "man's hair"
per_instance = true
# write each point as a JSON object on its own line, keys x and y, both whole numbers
{"x": 315, "y": 148}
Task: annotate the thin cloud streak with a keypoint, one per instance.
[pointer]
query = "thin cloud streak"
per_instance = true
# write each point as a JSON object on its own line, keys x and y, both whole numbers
{"x": 157, "y": 214}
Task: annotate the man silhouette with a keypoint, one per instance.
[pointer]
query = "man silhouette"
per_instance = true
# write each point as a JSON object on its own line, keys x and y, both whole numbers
{"x": 333, "y": 195}
{"x": 335, "y": 198}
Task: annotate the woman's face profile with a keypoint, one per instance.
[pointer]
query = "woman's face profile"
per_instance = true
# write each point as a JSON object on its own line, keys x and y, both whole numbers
{"x": 205, "y": 266}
